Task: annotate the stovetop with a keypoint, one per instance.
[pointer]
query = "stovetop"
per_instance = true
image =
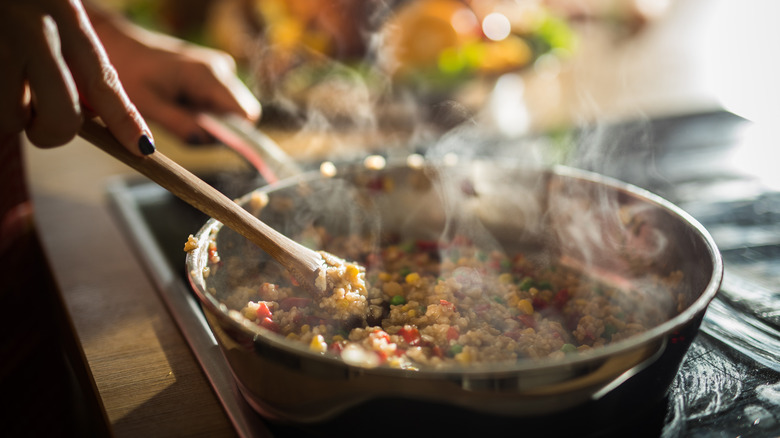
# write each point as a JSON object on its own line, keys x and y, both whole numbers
{"x": 729, "y": 381}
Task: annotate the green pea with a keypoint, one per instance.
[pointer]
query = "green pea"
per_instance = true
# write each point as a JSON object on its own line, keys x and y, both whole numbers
{"x": 454, "y": 349}
{"x": 397, "y": 300}
{"x": 568, "y": 348}
{"x": 526, "y": 283}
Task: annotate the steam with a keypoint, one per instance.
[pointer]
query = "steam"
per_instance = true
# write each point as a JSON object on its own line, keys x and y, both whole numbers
{"x": 341, "y": 109}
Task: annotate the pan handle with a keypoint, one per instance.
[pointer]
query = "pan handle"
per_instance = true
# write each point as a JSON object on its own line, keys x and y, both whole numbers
{"x": 260, "y": 150}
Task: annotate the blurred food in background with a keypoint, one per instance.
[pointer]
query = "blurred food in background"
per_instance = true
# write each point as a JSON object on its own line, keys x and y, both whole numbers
{"x": 354, "y": 62}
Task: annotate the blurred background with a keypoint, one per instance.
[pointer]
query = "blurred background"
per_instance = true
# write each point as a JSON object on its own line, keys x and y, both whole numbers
{"x": 620, "y": 55}
{"x": 340, "y": 76}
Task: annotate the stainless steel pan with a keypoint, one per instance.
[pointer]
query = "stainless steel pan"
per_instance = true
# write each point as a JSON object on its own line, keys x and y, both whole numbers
{"x": 604, "y": 227}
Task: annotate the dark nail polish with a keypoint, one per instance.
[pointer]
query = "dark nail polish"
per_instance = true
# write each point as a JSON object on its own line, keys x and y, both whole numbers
{"x": 145, "y": 145}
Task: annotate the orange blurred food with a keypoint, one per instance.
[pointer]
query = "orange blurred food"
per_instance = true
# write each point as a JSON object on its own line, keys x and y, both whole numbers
{"x": 422, "y": 30}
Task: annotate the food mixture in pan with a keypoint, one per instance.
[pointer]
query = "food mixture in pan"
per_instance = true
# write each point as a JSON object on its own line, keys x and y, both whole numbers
{"x": 431, "y": 306}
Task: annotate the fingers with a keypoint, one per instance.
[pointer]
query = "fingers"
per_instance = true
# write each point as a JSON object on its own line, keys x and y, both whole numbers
{"x": 186, "y": 83}
{"x": 52, "y": 54}
{"x": 98, "y": 82}
{"x": 213, "y": 83}
{"x": 37, "y": 93}
{"x": 56, "y": 113}
{"x": 178, "y": 119}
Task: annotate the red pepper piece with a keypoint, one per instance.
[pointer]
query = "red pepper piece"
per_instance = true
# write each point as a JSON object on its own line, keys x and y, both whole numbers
{"x": 561, "y": 298}
{"x": 539, "y": 303}
{"x": 382, "y": 335}
{"x": 269, "y": 324}
{"x": 453, "y": 333}
{"x": 410, "y": 334}
{"x": 263, "y": 311}
{"x": 527, "y": 320}
{"x": 447, "y": 304}
{"x": 336, "y": 347}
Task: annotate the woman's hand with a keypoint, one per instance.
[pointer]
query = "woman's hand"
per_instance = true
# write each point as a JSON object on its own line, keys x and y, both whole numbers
{"x": 51, "y": 60}
{"x": 170, "y": 81}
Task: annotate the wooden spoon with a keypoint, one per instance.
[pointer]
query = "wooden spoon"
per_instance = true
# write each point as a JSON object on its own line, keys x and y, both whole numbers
{"x": 303, "y": 263}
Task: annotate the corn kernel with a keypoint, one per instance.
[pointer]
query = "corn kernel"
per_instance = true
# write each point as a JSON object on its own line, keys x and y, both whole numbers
{"x": 463, "y": 357}
{"x": 318, "y": 344}
{"x": 384, "y": 276}
{"x": 352, "y": 271}
{"x": 412, "y": 278}
{"x": 525, "y": 306}
{"x": 412, "y": 313}
{"x": 250, "y": 311}
{"x": 338, "y": 338}
{"x": 505, "y": 278}
{"x": 305, "y": 328}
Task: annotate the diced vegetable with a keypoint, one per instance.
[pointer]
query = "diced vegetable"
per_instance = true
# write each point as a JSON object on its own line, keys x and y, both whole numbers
{"x": 568, "y": 348}
{"x": 397, "y": 300}
{"x": 263, "y": 311}
{"x": 410, "y": 335}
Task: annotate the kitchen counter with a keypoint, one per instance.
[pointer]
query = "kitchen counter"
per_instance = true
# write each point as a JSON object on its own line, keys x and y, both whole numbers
{"x": 146, "y": 377}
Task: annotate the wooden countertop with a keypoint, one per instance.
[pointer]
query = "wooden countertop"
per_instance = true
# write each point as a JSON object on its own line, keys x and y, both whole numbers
{"x": 147, "y": 378}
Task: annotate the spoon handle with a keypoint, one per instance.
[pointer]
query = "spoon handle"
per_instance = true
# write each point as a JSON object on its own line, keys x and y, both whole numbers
{"x": 301, "y": 261}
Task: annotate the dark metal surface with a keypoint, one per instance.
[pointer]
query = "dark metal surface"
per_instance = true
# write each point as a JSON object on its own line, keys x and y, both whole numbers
{"x": 729, "y": 381}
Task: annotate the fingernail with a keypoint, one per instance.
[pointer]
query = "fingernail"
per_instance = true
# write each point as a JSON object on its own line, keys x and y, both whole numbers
{"x": 145, "y": 145}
